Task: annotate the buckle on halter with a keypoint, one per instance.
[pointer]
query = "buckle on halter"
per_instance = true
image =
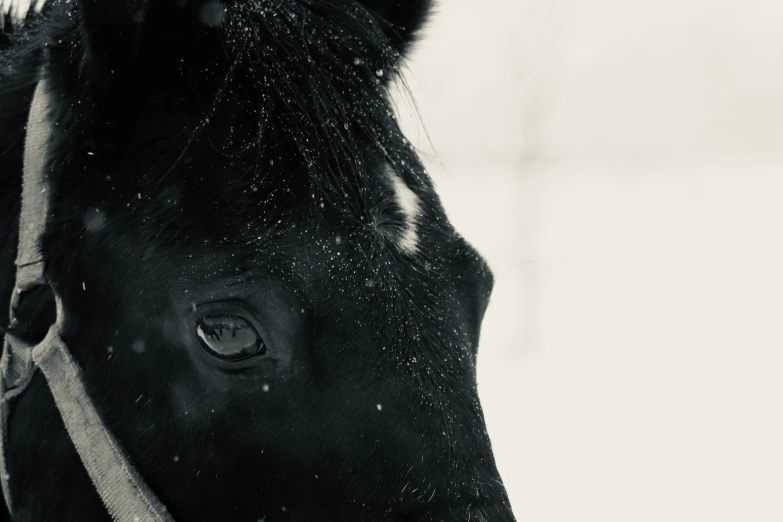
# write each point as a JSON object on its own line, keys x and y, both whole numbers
{"x": 33, "y": 312}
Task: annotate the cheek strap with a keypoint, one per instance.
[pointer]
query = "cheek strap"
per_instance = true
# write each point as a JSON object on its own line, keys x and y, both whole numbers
{"x": 123, "y": 491}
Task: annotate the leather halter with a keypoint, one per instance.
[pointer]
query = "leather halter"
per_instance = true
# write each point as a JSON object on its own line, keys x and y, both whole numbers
{"x": 123, "y": 491}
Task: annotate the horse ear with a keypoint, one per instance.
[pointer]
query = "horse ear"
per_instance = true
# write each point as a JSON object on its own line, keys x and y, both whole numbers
{"x": 400, "y": 19}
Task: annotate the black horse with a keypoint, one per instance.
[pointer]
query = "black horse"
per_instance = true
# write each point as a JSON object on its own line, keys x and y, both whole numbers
{"x": 272, "y": 313}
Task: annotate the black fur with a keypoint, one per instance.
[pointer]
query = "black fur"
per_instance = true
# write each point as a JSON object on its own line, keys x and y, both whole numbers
{"x": 195, "y": 143}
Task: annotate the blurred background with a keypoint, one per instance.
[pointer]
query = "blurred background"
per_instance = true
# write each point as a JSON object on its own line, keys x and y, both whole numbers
{"x": 620, "y": 165}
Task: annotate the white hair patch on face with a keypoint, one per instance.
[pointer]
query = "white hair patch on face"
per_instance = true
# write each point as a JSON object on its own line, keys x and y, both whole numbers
{"x": 18, "y": 9}
{"x": 411, "y": 207}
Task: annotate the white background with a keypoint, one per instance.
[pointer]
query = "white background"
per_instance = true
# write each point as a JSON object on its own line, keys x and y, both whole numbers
{"x": 620, "y": 165}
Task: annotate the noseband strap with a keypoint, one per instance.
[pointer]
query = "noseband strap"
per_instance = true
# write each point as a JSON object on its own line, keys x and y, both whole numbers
{"x": 122, "y": 490}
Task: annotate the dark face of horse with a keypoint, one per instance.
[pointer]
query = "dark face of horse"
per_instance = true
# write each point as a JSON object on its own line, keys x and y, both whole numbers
{"x": 272, "y": 313}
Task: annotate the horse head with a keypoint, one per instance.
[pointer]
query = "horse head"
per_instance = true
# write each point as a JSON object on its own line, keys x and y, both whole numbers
{"x": 271, "y": 311}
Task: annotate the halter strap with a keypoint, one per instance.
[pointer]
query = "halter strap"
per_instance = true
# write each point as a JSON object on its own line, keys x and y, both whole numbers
{"x": 122, "y": 490}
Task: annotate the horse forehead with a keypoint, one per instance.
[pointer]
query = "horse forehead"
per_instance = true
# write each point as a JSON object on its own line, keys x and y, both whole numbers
{"x": 395, "y": 203}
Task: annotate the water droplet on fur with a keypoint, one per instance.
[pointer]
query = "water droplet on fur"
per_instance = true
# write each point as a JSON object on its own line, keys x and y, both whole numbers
{"x": 379, "y": 73}
{"x": 94, "y": 220}
{"x": 138, "y": 346}
{"x": 212, "y": 13}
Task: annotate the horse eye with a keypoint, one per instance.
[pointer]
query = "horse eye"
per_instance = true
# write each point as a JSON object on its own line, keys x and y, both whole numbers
{"x": 229, "y": 337}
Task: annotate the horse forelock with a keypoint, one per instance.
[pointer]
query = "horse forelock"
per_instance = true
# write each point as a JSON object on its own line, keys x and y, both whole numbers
{"x": 317, "y": 76}
{"x": 302, "y": 79}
